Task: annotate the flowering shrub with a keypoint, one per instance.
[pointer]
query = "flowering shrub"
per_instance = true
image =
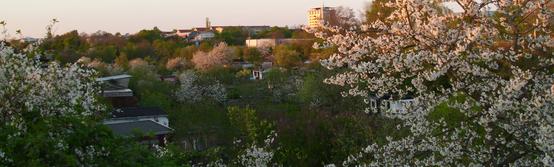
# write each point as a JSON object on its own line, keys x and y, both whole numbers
{"x": 495, "y": 72}
{"x": 191, "y": 91}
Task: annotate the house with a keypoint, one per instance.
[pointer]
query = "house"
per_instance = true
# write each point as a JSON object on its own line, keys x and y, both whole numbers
{"x": 399, "y": 105}
{"x": 169, "y": 34}
{"x": 204, "y": 35}
{"x": 131, "y": 114}
{"x": 241, "y": 64}
{"x": 261, "y": 43}
{"x": 151, "y": 122}
{"x": 116, "y": 90}
{"x": 116, "y": 86}
{"x": 130, "y": 120}
{"x": 257, "y": 75}
{"x": 196, "y": 34}
{"x": 378, "y": 104}
{"x": 153, "y": 133}
{"x": 184, "y": 33}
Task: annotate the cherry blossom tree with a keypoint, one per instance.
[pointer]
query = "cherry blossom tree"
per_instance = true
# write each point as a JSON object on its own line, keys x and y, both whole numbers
{"x": 176, "y": 63}
{"x": 192, "y": 91}
{"x": 27, "y": 85}
{"x": 480, "y": 80}
{"x": 50, "y": 116}
{"x": 219, "y": 56}
{"x": 34, "y": 94}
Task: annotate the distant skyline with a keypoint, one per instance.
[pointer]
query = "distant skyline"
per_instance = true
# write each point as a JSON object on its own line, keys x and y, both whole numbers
{"x": 130, "y": 16}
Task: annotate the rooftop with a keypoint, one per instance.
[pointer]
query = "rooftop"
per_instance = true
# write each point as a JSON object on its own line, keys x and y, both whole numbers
{"x": 146, "y": 127}
{"x": 118, "y": 93}
{"x": 116, "y": 77}
{"x": 138, "y": 112}
{"x": 184, "y": 31}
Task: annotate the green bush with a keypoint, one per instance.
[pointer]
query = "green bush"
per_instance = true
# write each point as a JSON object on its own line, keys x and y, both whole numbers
{"x": 233, "y": 93}
{"x": 244, "y": 74}
{"x": 224, "y": 75}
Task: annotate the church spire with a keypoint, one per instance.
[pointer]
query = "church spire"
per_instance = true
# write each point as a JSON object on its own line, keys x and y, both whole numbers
{"x": 208, "y": 23}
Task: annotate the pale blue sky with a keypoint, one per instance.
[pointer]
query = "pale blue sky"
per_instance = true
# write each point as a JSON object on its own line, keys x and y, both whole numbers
{"x": 129, "y": 16}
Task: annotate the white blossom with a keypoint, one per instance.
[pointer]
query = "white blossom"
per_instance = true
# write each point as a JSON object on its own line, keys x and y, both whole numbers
{"x": 46, "y": 90}
{"x": 191, "y": 91}
{"x": 50, "y": 89}
{"x": 501, "y": 84}
{"x": 258, "y": 156}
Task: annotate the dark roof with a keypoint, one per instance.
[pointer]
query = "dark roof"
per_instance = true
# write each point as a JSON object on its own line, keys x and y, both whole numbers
{"x": 118, "y": 93}
{"x": 137, "y": 112}
{"x": 146, "y": 127}
{"x": 169, "y": 32}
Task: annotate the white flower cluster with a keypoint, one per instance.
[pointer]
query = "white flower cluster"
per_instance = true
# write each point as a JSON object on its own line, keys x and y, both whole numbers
{"x": 46, "y": 90}
{"x": 495, "y": 71}
{"x": 190, "y": 91}
{"x": 258, "y": 156}
{"x": 161, "y": 152}
{"x": 27, "y": 85}
{"x": 88, "y": 154}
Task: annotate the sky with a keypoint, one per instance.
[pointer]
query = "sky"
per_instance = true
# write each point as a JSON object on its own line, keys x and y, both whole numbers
{"x": 130, "y": 16}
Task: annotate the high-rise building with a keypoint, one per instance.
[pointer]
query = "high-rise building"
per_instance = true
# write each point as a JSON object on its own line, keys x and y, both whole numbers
{"x": 318, "y": 17}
